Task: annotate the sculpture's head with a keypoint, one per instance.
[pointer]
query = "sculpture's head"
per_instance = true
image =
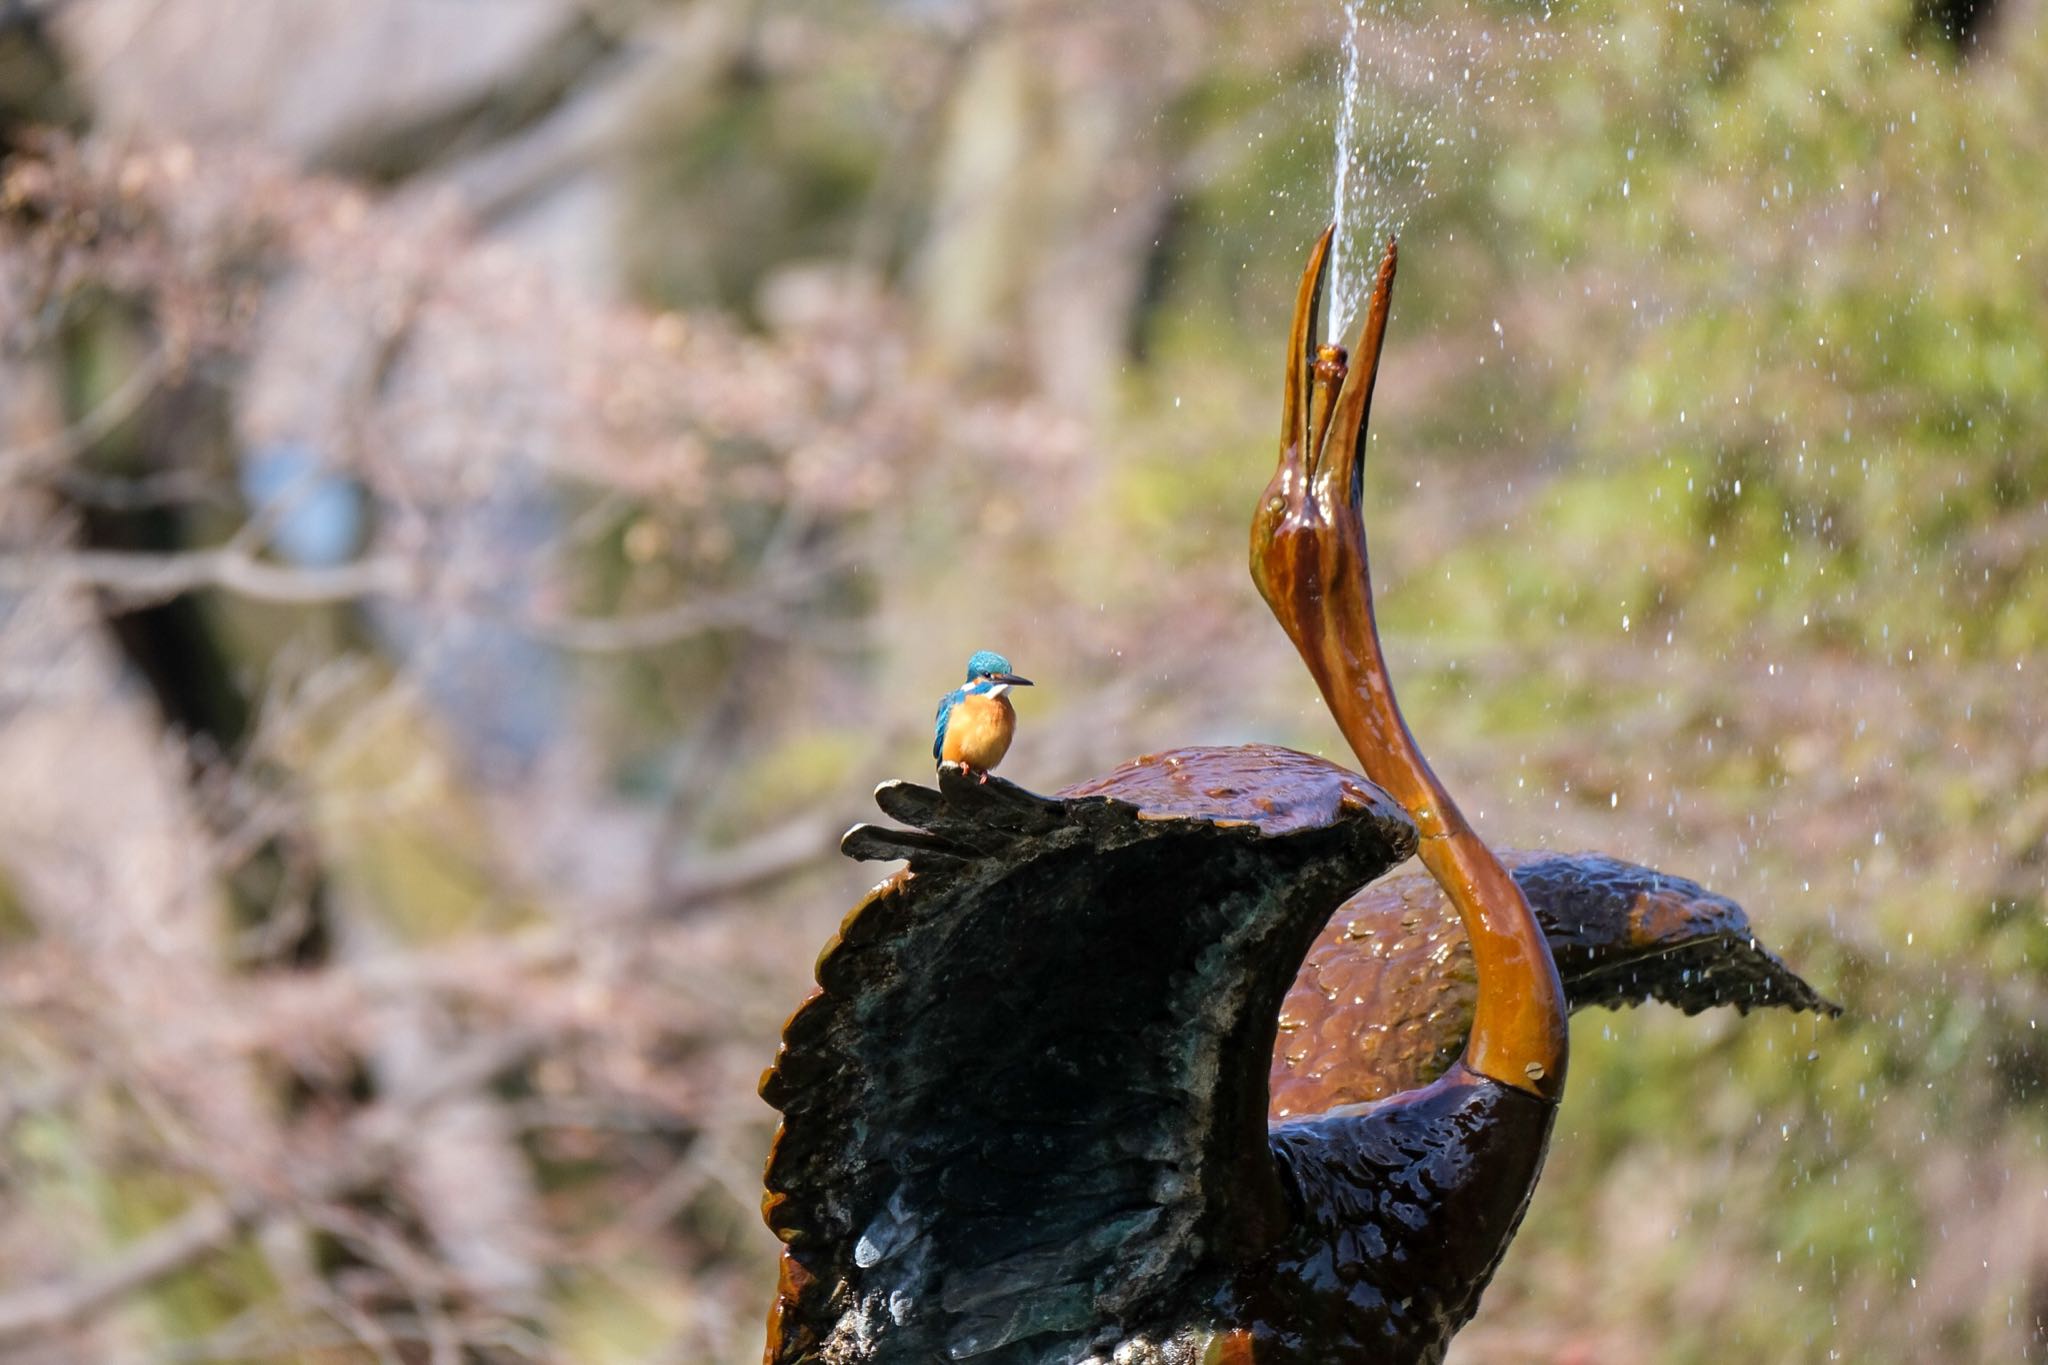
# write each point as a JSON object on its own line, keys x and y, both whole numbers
{"x": 1314, "y": 493}
{"x": 989, "y": 673}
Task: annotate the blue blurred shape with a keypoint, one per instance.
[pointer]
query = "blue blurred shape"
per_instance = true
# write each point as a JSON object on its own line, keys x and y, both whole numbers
{"x": 315, "y": 514}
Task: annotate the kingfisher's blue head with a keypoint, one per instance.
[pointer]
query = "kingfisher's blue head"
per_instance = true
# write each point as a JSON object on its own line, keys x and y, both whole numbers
{"x": 986, "y": 663}
{"x": 990, "y": 672}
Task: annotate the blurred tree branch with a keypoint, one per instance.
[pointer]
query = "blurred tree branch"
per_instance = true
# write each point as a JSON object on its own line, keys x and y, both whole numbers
{"x": 135, "y": 580}
{"x": 360, "y": 1156}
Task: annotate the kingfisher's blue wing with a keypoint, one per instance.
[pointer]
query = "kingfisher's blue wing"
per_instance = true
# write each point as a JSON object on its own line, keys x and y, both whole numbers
{"x": 939, "y": 723}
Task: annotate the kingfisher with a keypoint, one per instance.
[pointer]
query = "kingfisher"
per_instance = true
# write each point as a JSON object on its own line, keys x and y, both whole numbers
{"x": 975, "y": 720}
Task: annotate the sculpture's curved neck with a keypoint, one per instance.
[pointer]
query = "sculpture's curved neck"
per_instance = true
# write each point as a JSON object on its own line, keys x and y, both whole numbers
{"x": 1518, "y": 1028}
{"x": 1309, "y": 558}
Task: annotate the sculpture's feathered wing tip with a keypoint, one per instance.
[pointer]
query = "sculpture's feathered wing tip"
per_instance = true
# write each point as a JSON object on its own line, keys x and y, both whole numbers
{"x": 1385, "y": 999}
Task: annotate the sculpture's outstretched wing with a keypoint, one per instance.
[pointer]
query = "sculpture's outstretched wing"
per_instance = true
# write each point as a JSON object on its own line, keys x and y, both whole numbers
{"x": 1385, "y": 998}
{"x": 1028, "y": 1100}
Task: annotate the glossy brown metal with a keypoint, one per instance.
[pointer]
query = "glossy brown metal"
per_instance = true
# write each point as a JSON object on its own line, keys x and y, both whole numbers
{"x": 1308, "y": 558}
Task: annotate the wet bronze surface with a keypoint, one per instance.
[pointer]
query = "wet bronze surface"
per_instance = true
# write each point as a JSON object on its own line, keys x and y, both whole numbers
{"x": 1279, "y": 790}
{"x": 1407, "y": 1208}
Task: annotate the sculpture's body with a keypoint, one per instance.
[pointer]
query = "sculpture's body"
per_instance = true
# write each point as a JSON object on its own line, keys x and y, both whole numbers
{"x": 1028, "y": 1116}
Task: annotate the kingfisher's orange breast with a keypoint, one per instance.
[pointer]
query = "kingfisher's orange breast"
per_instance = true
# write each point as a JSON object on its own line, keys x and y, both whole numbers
{"x": 978, "y": 731}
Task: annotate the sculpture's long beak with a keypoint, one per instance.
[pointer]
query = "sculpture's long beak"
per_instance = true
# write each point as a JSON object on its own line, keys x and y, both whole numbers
{"x": 1301, "y": 351}
{"x": 1328, "y": 397}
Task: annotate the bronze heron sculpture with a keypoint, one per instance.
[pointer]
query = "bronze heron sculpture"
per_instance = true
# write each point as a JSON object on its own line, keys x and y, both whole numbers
{"x": 1122, "y": 1077}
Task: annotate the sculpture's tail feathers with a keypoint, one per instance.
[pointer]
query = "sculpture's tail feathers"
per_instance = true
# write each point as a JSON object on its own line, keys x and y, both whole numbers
{"x": 1625, "y": 934}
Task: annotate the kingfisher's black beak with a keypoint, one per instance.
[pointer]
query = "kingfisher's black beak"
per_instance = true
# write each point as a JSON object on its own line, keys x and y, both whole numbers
{"x": 1011, "y": 678}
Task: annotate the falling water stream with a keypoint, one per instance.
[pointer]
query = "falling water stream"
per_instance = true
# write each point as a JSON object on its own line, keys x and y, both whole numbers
{"x": 1343, "y": 304}
{"x": 1413, "y": 94}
